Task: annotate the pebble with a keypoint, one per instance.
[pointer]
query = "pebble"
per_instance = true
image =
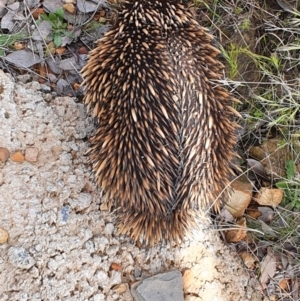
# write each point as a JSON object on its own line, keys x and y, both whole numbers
{"x": 19, "y": 257}
{"x": 17, "y": 157}
{"x": 31, "y": 154}
{"x": 99, "y": 297}
{"x": 120, "y": 288}
{"x": 3, "y": 235}
{"x": 162, "y": 287}
{"x": 45, "y": 88}
{"x": 4, "y": 154}
{"x": 109, "y": 229}
{"x": 137, "y": 272}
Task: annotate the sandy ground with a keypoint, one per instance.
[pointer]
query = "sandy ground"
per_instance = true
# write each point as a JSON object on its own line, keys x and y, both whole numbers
{"x": 61, "y": 246}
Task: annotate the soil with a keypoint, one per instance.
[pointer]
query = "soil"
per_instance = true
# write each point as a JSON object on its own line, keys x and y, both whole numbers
{"x": 61, "y": 246}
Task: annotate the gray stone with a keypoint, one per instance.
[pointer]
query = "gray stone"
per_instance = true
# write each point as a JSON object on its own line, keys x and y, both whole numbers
{"x": 19, "y": 257}
{"x": 162, "y": 287}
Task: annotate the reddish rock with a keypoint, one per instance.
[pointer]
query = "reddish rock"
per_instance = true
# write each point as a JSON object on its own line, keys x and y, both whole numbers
{"x": 4, "y": 154}
{"x": 17, "y": 157}
{"x": 3, "y": 235}
{"x": 31, "y": 154}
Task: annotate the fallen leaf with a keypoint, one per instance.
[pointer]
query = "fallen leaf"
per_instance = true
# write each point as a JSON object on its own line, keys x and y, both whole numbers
{"x": 283, "y": 283}
{"x": 267, "y": 213}
{"x": 37, "y": 12}
{"x": 76, "y": 86}
{"x": 257, "y": 168}
{"x": 60, "y": 50}
{"x": 248, "y": 259}
{"x": 19, "y": 46}
{"x": 83, "y": 50}
{"x": 238, "y": 233}
{"x": 42, "y": 31}
{"x": 268, "y": 268}
{"x": 89, "y": 6}
{"x": 253, "y": 212}
{"x": 269, "y": 196}
{"x": 69, "y": 7}
{"x": 42, "y": 70}
{"x": 8, "y": 20}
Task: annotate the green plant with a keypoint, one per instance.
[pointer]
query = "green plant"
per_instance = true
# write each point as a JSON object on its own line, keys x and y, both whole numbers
{"x": 59, "y": 26}
{"x": 8, "y": 41}
{"x": 291, "y": 187}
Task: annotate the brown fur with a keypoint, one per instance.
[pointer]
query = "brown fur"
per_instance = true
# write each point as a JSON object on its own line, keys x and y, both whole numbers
{"x": 165, "y": 135}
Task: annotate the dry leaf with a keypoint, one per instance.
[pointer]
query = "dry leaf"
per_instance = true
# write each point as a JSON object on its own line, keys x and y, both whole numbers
{"x": 42, "y": 70}
{"x": 283, "y": 283}
{"x": 253, "y": 212}
{"x": 70, "y": 1}
{"x": 257, "y": 168}
{"x": 76, "y": 86}
{"x": 238, "y": 233}
{"x": 241, "y": 196}
{"x": 37, "y": 12}
{"x": 268, "y": 268}
{"x": 19, "y": 46}
{"x": 69, "y": 7}
{"x": 267, "y": 213}
{"x": 83, "y": 50}
{"x": 269, "y": 196}
{"x": 60, "y": 50}
{"x": 23, "y": 58}
{"x": 238, "y": 202}
{"x": 248, "y": 259}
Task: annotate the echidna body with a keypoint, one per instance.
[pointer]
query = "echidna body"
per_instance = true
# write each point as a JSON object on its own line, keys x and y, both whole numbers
{"x": 165, "y": 135}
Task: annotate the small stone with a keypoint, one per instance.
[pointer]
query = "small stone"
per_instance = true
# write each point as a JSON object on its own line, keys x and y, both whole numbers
{"x": 19, "y": 257}
{"x": 120, "y": 288}
{"x": 3, "y": 235}
{"x": 109, "y": 229}
{"x": 99, "y": 297}
{"x": 24, "y": 78}
{"x": 45, "y": 88}
{"x": 31, "y": 154}
{"x": 101, "y": 277}
{"x": 137, "y": 272}
{"x": 162, "y": 287}
{"x": 116, "y": 266}
{"x": 4, "y": 154}
{"x": 17, "y": 157}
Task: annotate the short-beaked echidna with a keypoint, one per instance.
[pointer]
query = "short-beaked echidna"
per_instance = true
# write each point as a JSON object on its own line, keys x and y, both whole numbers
{"x": 165, "y": 132}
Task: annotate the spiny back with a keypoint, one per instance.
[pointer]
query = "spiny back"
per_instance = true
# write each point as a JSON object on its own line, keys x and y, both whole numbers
{"x": 165, "y": 134}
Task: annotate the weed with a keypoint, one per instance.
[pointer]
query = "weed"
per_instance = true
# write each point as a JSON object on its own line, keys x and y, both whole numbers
{"x": 59, "y": 26}
{"x": 8, "y": 41}
{"x": 291, "y": 187}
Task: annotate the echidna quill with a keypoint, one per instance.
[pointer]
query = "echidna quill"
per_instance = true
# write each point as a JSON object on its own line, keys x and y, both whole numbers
{"x": 165, "y": 132}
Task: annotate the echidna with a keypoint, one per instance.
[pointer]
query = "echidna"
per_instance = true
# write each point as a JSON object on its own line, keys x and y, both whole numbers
{"x": 165, "y": 132}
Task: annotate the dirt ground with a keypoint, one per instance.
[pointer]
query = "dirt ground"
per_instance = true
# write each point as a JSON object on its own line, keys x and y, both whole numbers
{"x": 61, "y": 246}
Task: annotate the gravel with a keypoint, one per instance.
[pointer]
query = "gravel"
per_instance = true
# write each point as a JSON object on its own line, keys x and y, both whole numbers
{"x": 60, "y": 245}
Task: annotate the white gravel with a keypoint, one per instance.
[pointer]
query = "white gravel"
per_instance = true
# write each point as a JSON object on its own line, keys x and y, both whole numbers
{"x": 61, "y": 246}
